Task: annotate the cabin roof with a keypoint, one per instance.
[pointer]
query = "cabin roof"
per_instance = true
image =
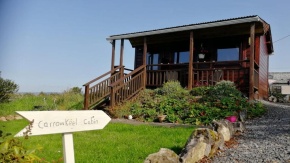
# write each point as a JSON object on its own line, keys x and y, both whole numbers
{"x": 279, "y": 77}
{"x": 233, "y": 25}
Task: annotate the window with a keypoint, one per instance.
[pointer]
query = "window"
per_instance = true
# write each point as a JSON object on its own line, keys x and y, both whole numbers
{"x": 152, "y": 59}
{"x": 184, "y": 57}
{"x": 270, "y": 77}
{"x": 181, "y": 57}
{"x": 276, "y": 89}
{"x": 228, "y": 54}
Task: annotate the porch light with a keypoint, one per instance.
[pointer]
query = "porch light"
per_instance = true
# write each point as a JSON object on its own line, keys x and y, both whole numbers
{"x": 201, "y": 56}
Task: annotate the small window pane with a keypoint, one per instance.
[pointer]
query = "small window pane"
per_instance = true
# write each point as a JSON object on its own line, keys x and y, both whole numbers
{"x": 277, "y": 89}
{"x": 184, "y": 57}
{"x": 229, "y": 54}
{"x": 152, "y": 59}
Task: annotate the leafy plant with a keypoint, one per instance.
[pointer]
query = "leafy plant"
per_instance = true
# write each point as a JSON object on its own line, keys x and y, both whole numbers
{"x": 225, "y": 96}
{"x": 256, "y": 109}
{"x": 199, "y": 91}
{"x": 12, "y": 150}
{"x": 172, "y": 89}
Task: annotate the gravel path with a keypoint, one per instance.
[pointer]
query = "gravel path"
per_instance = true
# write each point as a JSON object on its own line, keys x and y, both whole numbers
{"x": 266, "y": 139}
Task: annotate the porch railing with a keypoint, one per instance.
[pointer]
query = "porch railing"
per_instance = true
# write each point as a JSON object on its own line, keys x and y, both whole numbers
{"x": 204, "y": 77}
{"x": 127, "y": 86}
{"x": 157, "y": 74}
{"x": 204, "y": 73}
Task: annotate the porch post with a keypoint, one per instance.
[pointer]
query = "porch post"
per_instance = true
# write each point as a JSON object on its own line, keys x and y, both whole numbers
{"x": 144, "y": 60}
{"x": 112, "y": 96}
{"x": 190, "y": 66}
{"x": 113, "y": 55}
{"x": 252, "y": 58}
{"x": 121, "y": 58}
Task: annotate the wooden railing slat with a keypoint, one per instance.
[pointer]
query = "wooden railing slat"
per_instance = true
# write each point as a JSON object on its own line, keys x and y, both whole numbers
{"x": 128, "y": 85}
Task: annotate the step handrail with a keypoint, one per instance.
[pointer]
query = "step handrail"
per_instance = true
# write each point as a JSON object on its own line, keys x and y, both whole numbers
{"x": 126, "y": 76}
{"x": 87, "y": 104}
{"x": 123, "y": 89}
{"x": 100, "y": 77}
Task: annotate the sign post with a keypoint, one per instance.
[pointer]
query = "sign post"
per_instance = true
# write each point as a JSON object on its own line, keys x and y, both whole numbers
{"x": 68, "y": 147}
{"x": 65, "y": 122}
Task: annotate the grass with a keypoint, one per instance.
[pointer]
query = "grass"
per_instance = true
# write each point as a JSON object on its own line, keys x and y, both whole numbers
{"x": 115, "y": 143}
{"x": 26, "y": 102}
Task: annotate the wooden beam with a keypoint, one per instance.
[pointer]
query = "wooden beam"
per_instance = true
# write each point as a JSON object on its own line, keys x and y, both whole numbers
{"x": 112, "y": 98}
{"x": 121, "y": 57}
{"x": 207, "y": 33}
{"x": 121, "y": 52}
{"x": 113, "y": 55}
{"x": 144, "y": 60}
{"x": 144, "y": 50}
{"x": 87, "y": 96}
{"x": 190, "y": 67}
{"x": 252, "y": 61}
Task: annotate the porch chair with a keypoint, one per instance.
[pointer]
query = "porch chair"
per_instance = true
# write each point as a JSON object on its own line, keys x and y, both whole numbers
{"x": 171, "y": 75}
{"x": 216, "y": 77}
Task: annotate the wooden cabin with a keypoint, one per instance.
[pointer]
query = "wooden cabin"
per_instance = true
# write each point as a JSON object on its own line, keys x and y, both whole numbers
{"x": 199, "y": 54}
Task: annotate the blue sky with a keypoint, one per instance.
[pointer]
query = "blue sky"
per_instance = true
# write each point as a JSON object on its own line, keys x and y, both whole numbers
{"x": 50, "y": 45}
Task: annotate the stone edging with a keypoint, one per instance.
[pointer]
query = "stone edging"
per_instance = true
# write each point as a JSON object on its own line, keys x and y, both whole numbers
{"x": 203, "y": 142}
{"x": 10, "y": 117}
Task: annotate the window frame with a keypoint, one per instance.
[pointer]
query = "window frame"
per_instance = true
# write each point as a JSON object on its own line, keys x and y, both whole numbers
{"x": 228, "y": 48}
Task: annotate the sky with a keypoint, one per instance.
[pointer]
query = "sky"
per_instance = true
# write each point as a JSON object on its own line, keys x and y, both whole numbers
{"x": 54, "y": 45}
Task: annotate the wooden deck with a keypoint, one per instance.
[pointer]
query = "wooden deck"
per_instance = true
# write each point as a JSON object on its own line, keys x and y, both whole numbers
{"x": 117, "y": 86}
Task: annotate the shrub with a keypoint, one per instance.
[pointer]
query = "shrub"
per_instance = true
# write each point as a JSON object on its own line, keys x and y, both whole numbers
{"x": 68, "y": 100}
{"x": 7, "y": 88}
{"x": 75, "y": 90}
{"x": 12, "y": 150}
{"x": 225, "y": 96}
{"x": 171, "y": 88}
{"x": 280, "y": 97}
{"x": 255, "y": 109}
{"x": 181, "y": 106}
{"x": 199, "y": 91}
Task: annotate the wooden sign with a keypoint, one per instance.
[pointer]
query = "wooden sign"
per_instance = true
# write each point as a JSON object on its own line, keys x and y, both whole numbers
{"x": 52, "y": 122}
{"x": 65, "y": 122}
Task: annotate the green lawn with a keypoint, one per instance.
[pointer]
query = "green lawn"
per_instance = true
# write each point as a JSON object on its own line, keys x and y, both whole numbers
{"x": 115, "y": 143}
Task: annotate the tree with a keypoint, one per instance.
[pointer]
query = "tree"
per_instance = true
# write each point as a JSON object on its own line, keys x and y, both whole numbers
{"x": 7, "y": 88}
{"x": 76, "y": 90}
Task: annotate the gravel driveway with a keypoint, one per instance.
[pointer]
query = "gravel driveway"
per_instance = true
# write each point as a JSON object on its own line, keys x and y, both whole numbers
{"x": 266, "y": 139}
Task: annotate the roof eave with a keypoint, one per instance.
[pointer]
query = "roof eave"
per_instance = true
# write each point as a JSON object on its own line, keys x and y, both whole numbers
{"x": 185, "y": 28}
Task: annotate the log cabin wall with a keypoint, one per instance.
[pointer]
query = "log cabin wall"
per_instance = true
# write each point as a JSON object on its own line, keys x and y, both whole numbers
{"x": 257, "y": 50}
{"x": 138, "y": 57}
{"x": 263, "y": 69}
